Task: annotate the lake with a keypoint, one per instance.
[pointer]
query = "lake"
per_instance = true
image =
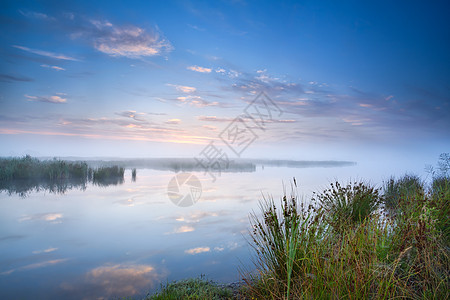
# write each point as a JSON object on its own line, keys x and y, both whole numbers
{"x": 126, "y": 239}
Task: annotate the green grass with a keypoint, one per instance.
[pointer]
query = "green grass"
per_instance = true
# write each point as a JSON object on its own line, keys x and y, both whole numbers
{"x": 348, "y": 205}
{"x": 344, "y": 245}
{"x": 194, "y": 288}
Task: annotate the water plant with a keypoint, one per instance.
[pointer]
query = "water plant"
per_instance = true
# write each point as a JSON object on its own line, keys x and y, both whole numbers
{"x": 21, "y": 175}
{"x": 302, "y": 252}
{"x": 193, "y": 288}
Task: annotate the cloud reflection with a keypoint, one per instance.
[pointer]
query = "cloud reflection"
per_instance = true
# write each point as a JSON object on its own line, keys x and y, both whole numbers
{"x": 197, "y": 250}
{"x": 35, "y": 265}
{"x": 116, "y": 280}
{"x": 54, "y": 218}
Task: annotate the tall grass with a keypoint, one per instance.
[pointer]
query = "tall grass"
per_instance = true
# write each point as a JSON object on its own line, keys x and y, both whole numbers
{"x": 194, "y": 288}
{"x": 348, "y": 205}
{"x": 108, "y": 175}
{"x": 32, "y": 168}
{"x": 303, "y": 252}
{"x": 23, "y": 174}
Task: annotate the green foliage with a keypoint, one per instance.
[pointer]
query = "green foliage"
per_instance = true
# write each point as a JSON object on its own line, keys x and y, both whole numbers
{"x": 306, "y": 254}
{"x": 194, "y": 288}
{"x": 440, "y": 201}
{"x": 399, "y": 193}
{"x": 348, "y": 205}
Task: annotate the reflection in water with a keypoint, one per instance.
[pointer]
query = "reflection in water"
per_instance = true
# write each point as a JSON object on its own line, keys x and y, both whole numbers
{"x": 197, "y": 250}
{"x": 111, "y": 281}
{"x": 35, "y": 266}
{"x": 54, "y": 218}
{"x": 112, "y": 172}
{"x": 108, "y": 181}
{"x": 24, "y": 187}
{"x": 126, "y": 239}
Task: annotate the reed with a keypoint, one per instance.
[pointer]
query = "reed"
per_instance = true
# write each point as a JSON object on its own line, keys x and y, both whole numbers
{"x": 302, "y": 252}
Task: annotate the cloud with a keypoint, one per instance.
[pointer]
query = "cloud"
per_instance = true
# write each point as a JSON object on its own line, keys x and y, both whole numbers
{"x": 197, "y": 101}
{"x": 54, "y": 218}
{"x": 35, "y": 15}
{"x": 229, "y": 73}
{"x": 46, "y": 53}
{"x": 36, "y": 266}
{"x": 199, "y": 69}
{"x": 213, "y": 128}
{"x": 173, "y": 121}
{"x": 112, "y": 281}
{"x": 11, "y": 78}
{"x": 132, "y": 114}
{"x": 195, "y": 217}
{"x": 197, "y": 250}
{"x": 48, "y": 99}
{"x": 183, "y": 88}
{"x": 53, "y": 67}
{"x": 124, "y": 41}
{"x": 45, "y": 251}
{"x": 183, "y": 229}
{"x": 214, "y": 119}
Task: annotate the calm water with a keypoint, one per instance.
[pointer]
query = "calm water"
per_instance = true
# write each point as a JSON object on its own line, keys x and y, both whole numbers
{"x": 126, "y": 239}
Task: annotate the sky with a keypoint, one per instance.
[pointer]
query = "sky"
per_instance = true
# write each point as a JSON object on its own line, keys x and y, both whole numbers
{"x": 347, "y": 79}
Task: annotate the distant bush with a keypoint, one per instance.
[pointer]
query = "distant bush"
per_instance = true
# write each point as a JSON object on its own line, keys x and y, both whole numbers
{"x": 32, "y": 168}
{"x": 108, "y": 175}
{"x": 348, "y": 205}
{"x": 23, "y": 174}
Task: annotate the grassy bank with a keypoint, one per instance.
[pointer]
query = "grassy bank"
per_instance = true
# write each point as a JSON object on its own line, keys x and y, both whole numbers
{"x": 355, "y": 242}
{"x": 351, "y": 241}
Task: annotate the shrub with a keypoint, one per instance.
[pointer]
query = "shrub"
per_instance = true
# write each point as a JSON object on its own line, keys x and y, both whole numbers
{"x": 348, "y": 205}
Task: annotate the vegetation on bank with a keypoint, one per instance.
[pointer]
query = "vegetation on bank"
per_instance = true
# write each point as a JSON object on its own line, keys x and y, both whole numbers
{"x": 194, "y": 288}
{"x": 22, "y": 174}
{"x": 27, "y": 167}
{"x": 352, "y": 241}
{"x": 356, "y": 242}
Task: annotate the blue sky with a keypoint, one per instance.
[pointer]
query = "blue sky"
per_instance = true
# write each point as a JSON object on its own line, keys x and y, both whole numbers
{"x": 165, "y": 78}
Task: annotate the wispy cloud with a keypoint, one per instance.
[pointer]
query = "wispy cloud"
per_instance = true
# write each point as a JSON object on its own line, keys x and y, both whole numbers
{"x": 127, "y": 41}
{"x": 228, "y": 72}
{"x": 214, "y": 119}
{"x": 11, "y": 78}
{"x": 53, "y": 67}
{"x": 199, "y": 69}
{"x": 46, "y": 53}
{"x": 183, "y": 88}
{"x": 132, "y": 114}
{"x": 173, "y": 121}
{"x": 112, "y": 281}
{"x": 36, "y": 266}
{"x": 48, "y": 250}
{"x": 197, "y": 101}
{"x": 35, "y": 15}
{"x": 49, "y": 99}
{"x": 197, "y": 250}
{"x": 182, "y": 229}
{"x": 50, "y": 217}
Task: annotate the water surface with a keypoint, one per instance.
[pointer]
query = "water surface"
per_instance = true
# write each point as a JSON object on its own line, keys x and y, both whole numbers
{"x": 97, "y": 242}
